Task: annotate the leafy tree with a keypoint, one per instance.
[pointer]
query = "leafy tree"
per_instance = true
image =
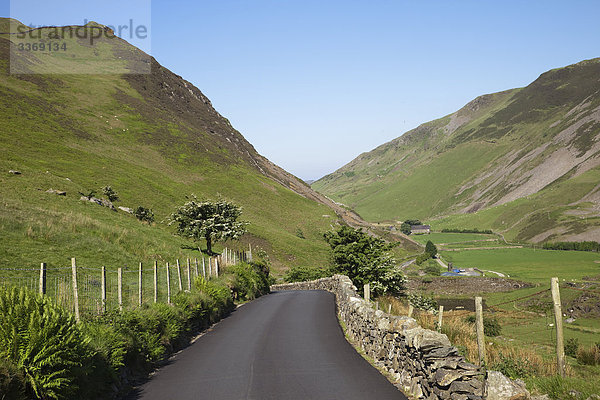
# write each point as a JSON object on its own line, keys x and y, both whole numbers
{"x": 430, "y": 249}
{"x": 365, "y": 259}
{"x": 144, "y": 214}
{"x": 209, "y": 220}
{"x": 110, "y": 193}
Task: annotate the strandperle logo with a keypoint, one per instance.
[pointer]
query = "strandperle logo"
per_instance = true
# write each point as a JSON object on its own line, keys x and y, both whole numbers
{"x": 88, "y": 31}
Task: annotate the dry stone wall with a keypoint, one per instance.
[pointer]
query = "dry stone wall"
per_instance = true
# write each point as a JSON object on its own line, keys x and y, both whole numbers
{"x": 423, "y": 361}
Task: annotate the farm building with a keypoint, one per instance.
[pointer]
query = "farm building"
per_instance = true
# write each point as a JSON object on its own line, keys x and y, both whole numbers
{"x": 417, "y": 229}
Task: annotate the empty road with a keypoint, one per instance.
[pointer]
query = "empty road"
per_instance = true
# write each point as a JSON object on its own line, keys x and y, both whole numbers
{"x": 287, "y": 345}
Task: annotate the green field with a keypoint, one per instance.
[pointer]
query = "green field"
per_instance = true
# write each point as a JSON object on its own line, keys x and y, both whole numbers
{"x": 453, "y": 238}
{"x": 531, "y": 265}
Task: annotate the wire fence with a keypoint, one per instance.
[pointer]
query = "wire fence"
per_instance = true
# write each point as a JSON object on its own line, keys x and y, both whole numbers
{"x": 95, "y": 290}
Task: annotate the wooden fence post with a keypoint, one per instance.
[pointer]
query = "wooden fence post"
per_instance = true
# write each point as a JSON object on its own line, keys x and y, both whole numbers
{"x": 168, "y": 285}
{"x": 217, "y": 266}
{"x": 203, "y": 268}
{"x": 120, "y": 287}
{"x": 189, "y": 276}
{"x": 440, "y": 316}
{"x": 75, "y": 291}
{"x": 103, "y": 288}
{"x": 179, "y": 276}
{"x": 367, "y": 292}
{"x": 560, "y": 345}
{"x": 480, "y": 333}
{"x": 209, "y": 267}
{"x": 140, "y": 284}
{"x": 390, "y": 308}
{"x": 43, "y": 279}
{"x": 196, "y": 266}
{"x": 249, "y": 252}
{"x": 411, "y": 309}
{"x": 155, "y": 281}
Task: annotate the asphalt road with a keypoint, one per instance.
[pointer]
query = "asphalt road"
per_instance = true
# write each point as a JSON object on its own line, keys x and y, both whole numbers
{"x": 287, "y": 345}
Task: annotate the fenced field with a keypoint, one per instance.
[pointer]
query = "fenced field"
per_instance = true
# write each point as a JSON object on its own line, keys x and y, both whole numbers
{"x": 91, "y": 290}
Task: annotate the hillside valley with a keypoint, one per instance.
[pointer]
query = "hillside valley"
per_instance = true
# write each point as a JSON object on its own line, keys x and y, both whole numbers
{"x": 524, "y": 162}
{"x": 155, "y": 139}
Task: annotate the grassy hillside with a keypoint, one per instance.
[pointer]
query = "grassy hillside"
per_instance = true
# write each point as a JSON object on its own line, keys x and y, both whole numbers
{"x": 524, "y": 162}
{"x": 155, "y": 139}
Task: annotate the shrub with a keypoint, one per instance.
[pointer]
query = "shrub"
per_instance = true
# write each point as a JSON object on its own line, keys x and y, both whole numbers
{"x": 491, "y": 326}
{"x": 423, "y": 302}
{"x": 421, "y": 258}
{"x": 303, "y": 274}
{"x": 433, "y": 268}
{"x": 571, "y": 347}
{"x": 249, "y": 281}
{"x": 44, "y": 343}
{"x": 110, "y": 194}
{"x": 514, "y": 368}
{"x": 144, "y": 214}
{"x": 300, "y": 234}
{"x": 589, "y": 355}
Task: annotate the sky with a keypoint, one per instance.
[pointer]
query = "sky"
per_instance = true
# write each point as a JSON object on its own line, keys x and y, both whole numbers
{"x": 312, "y": 84}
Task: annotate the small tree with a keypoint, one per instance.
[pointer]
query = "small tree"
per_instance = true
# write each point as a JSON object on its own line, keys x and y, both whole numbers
{"x": 110, "y": 194}
{"x": 365, "y": 259}
{"x": 209, "y": 220}
{"x": 430, "y": 249}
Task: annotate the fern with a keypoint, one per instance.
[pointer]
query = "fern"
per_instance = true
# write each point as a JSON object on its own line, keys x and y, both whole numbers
{"x": 44, "y": 343}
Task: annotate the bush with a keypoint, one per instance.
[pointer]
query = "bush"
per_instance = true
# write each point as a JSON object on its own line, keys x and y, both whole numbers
{"x": 514, "y": 368}
{"x": 110, "y": 194}
{"x": 589, "y": 355}
{"x": 144, "y": 214}
{"x": 577, "y": 246}
{"x": 491, "y": 326}
{"x": 423, "y": 302}
{"x": 571, "y": 347}
{"x": 303, "y": 274}
{"x": 433, "y": 268}
{"x": 421, "y": 258}
{"x": 249, "y": 281}
{"x": 43, "y": 341}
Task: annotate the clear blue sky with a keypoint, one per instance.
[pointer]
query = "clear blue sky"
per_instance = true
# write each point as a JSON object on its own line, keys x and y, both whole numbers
{"x": 312, "y": 84}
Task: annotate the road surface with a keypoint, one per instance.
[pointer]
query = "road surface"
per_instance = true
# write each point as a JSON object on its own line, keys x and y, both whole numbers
{"x": 287, "y": 345}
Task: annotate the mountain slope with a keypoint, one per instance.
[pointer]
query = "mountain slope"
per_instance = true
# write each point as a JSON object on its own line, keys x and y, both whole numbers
{"x": 524, "y": 161}
{"x": 154, "y": 138}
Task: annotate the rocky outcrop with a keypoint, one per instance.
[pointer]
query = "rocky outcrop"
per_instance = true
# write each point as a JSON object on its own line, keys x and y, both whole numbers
{"x": 100, "y": 202}
{"x": 423, "y": 362}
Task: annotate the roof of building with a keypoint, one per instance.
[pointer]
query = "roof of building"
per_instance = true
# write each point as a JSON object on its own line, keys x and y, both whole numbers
{"x": 412, "y": 227}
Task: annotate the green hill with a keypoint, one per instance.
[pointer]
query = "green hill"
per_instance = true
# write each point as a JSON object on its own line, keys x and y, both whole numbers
{"x": 524, "y": 162}
{"x": 81, "y": 119}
